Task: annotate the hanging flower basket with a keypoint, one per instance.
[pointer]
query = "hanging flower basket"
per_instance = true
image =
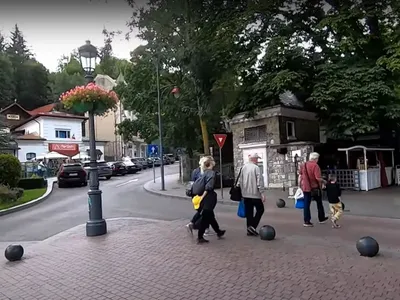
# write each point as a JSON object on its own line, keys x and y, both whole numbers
{"x": 89, "y": 98}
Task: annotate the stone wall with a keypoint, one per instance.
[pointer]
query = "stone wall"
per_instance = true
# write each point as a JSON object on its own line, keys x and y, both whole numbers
{"x": 282, "y": 170}
{"x": 238, "y": 136}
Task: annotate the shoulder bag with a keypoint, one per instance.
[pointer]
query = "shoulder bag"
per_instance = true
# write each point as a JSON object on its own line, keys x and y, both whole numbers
{"x": 315, "y": 192}
{"x": 236, "y": 191}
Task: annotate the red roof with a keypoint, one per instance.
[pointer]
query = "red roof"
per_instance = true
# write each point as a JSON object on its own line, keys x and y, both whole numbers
{"x": 43, "y": 109}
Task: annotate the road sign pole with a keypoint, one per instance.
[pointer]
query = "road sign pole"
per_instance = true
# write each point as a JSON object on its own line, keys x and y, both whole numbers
{"x": 154, "y": 172}
{"x": 220, "y": 172}
{"x": 220, "y": 138}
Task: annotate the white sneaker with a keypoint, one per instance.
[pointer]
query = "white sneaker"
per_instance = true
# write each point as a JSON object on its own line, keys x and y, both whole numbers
{"x": 208, "y": 233}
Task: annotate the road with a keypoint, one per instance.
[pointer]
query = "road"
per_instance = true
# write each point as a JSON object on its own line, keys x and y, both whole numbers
{"x": 122, "y": 197}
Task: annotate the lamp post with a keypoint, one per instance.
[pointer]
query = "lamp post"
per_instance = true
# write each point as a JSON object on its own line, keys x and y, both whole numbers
{"x": 96, "y": 225}
{"x": 175, "y": 91}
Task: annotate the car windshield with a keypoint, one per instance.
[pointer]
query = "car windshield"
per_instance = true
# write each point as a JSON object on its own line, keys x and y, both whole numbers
{"x": 70, "y": 168}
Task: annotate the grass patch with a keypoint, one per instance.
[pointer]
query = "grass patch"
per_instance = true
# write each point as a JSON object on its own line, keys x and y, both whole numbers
{"x": 28, "y": 196}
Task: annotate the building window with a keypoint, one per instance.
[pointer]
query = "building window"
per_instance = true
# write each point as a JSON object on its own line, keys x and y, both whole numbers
{"x": 63, "y": 134}
{"x": 30, "y": 156}
{"x": 290, "y": 132}
{"x": 255, "y": 134}
{"x": 83, "y": 129}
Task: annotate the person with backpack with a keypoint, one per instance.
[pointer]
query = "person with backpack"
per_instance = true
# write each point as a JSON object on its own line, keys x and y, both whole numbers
{"x": 196, "y": 199}
{"x": 208, "y": 201}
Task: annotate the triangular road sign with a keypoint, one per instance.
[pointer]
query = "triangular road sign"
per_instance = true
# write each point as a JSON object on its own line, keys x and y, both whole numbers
{"x": 220, "y": 138}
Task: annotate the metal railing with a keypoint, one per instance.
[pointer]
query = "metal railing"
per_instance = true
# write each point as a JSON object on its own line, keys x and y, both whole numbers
{"x": 349, "y": 179}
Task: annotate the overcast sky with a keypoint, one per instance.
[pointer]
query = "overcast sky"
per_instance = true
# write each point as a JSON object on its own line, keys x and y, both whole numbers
{"x": 56, "y": 27}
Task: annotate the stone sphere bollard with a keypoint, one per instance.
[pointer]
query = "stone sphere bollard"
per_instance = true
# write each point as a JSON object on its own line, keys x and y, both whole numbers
{"x": 367, "y": 246}
{"x": 14, "y": 252}
{"x": 280, "y": 203}
{"x": 267, "y": 233}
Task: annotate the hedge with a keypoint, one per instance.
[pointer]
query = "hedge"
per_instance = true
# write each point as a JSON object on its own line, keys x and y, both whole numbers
{"x": 32, "y": 183}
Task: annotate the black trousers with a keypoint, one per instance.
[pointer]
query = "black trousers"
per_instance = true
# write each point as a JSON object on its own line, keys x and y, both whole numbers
{"x": 207, "y": 219}
{"x": 251, "y": 218}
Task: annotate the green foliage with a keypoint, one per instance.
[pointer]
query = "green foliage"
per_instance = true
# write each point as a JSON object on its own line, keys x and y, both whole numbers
{"x": 7, "y": 85}
{"x": 32, "y": 183}
{"x": 8, "y": 195}
{"x": 60, "y": 82}
{"x": 10, "y": 170}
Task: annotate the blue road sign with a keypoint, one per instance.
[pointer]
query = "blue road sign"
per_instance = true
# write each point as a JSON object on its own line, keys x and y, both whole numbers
{"x": 152, "y": 150}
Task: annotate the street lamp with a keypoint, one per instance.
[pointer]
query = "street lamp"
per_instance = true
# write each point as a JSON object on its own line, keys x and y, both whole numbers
{"x": 176, "y": 93}
{"x": 96, "y": 225}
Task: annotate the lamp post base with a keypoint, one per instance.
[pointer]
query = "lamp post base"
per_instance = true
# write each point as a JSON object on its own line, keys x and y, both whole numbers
{"x": 96, "y": 227}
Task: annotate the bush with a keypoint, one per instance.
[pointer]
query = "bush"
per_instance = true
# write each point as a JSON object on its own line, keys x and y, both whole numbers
{"x": 10, "y": 170}
{"x": 32, "y": 183}
{"x": 8, "y": 195}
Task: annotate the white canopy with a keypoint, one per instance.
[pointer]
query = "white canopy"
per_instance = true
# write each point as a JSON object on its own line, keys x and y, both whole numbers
{"x": 54, "y": 155}
{"x": 81, "y": 155}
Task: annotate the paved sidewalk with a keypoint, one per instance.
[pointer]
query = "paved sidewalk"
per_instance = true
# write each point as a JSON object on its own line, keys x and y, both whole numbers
{"x": 144, "y": 259}
{"x": 383, "y": 203}
{"x": 175, "y": 189}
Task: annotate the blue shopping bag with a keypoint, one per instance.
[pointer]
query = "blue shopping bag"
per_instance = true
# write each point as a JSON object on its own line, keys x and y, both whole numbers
{"x": 299, "y": 203}
{"x": 241, "y": 211}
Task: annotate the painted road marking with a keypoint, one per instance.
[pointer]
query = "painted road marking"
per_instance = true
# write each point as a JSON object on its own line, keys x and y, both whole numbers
{"x": 121, "y": 184}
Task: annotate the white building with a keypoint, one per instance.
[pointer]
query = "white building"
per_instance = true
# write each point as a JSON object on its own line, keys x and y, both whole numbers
{"x": 44, "y": 130}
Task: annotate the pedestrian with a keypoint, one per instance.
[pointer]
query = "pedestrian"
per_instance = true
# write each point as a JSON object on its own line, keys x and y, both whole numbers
{"x": 251, "y": 183}
{"x": 334, "y": 194}
{"x": 311, "y": 183}
{"x": 208, "y": 202}
{"x": 196, "y": 174}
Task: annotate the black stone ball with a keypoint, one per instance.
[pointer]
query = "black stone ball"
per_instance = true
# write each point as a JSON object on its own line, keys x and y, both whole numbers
{"x": 280, "y": 203}
{"x": 14, "y": 252}
{"x": 367, "y": 246}
{"x": 267, "y": 233}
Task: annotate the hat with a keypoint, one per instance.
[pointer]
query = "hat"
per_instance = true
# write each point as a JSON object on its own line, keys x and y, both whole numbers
{"x": 254, "y": 155}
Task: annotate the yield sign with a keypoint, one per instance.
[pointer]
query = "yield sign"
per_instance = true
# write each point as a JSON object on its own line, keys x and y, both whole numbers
{"x": 220, "y": 138}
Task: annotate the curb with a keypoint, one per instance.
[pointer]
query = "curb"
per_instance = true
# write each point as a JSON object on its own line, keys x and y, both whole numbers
{"x": 184, "y": 198}
{"x": 30, "y": 203}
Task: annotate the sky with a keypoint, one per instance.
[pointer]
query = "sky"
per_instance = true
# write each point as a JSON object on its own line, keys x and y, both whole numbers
{"x": 53, "y": 28}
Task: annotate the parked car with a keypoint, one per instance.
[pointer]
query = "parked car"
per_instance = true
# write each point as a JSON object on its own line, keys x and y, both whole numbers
{"x": 141, "y": 161}
{"x": 103, "y": 169}
{"x": 131, "y": 167}
{"x": 157, "y": 161}
{"x": 118, "y": 168}
{"x": 171, "y": 158}
{"x": 166, "y": 160}
{"x": 70, "y": 174}
{"x": 149, "y": 162}
{"x": 137, "y": 163}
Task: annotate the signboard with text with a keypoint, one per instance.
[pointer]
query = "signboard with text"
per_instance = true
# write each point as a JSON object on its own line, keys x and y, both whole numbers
{"x": 64, "y": 149}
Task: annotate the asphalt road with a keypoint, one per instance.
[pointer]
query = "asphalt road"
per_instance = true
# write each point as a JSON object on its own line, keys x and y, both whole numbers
{"x": 123, "y": 196}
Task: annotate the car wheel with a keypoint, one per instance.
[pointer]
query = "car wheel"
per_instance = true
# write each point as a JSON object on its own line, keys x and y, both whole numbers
{"x": 85, "y": 183}
{"x": 108, "y": 177}
{"x": 61, "y": 185}
{"x": 123, "y": 174}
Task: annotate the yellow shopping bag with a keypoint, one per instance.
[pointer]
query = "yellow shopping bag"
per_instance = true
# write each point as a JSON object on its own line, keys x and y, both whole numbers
{"x": 196, "y": 200}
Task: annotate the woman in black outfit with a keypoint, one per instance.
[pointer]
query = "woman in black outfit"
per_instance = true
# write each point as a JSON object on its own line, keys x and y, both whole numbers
{"x": 208, "y": 203}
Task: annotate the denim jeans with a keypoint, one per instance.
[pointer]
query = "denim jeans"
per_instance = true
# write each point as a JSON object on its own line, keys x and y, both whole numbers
{"x": 307, "y": 204}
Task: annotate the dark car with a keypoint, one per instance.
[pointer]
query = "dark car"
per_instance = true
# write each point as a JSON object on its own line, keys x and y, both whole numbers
{"x": 103, "y": 169}
{"x": 142, "y": 161}
{"x": 149, "y": 162}
{"x": 171, "y": 158}
{"x": 166, "y": 160}
{"x": 138, "y": 163}
{"x": 71, "y": 174}
{"x": 118, "y": 168}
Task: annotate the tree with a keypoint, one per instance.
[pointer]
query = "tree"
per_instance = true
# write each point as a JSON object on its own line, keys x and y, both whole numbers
{"x": 140, "y": 96}
{"x": 17, "y": 48}
{"x": 32, "y": 87}
{"x": 196, "y": 40}
{"x": 3, "y": 44}
{"x": 7, "y": 86}
{"x": 109, "y": 64}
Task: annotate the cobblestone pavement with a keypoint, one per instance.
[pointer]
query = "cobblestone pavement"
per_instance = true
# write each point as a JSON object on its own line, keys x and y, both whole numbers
{"x": 144, "y": 259}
